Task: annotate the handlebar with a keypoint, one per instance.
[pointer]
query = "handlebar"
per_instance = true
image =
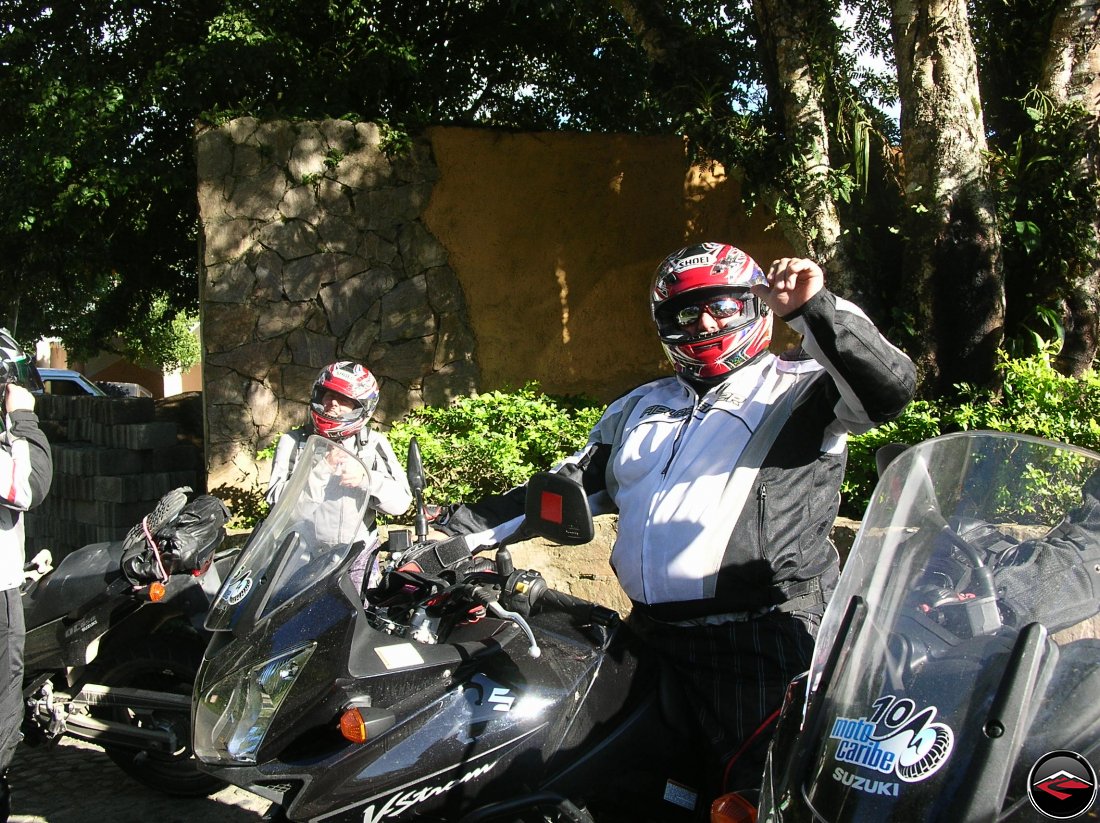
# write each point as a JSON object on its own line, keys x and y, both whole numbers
{"x": 538, "y": 597}
{"x": 583, "y": 610}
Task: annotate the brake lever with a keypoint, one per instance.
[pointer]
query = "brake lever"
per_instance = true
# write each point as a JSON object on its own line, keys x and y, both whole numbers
{"x": 494, "y": 606}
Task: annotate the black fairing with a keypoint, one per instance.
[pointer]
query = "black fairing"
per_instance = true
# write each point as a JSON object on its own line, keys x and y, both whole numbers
{"x": 463, "y": 708}
{"x": 476, "y": 720}
{"x": 86, "y": 597}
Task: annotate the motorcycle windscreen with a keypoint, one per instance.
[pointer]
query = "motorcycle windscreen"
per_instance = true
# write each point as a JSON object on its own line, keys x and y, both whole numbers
{"x": 936, "y": 684}
{"x": 304, "y": 538}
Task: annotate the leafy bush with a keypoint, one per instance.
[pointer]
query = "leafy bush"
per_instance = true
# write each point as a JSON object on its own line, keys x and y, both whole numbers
{"x": 920, "y": 421}
{"x": 488, "y": 443}
{"x": 1035, "y": 399}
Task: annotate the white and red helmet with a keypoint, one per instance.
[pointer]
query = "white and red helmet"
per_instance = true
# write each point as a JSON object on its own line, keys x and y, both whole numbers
{"x": 699, "y": 273}
{"x": 353, "y": 381}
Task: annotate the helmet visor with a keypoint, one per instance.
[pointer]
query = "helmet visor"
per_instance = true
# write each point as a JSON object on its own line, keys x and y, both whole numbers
{"x": 677, "y": 319}
{"x": 720, "y": 308}
{"x": 338, "y": 411}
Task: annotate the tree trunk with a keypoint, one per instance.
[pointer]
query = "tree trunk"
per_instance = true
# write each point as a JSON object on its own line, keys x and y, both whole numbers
{"x": 789, "y": 29}
{"x": 1071, "y": 75}
{"x": 795, "y": 36}
{"x": 953, "y": 263}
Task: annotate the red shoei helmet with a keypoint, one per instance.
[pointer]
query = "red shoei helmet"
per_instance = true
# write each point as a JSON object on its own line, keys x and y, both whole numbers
{"x": 353, "y": 381}
{"x": 700, "y": 274}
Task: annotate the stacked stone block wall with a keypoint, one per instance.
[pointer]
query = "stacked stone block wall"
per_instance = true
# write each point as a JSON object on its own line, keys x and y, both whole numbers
{"x": 113, "y": 458}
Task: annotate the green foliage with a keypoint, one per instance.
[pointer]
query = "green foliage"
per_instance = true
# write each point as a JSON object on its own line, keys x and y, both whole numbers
{"x": 1047, "y": 209}
{"x": 920, "y": 421}
{"x": 1035, "y": 399}
{"x": 247, "y": 506}
{"x": 394, "y": 142}
{"x": 163, "y": 336}
{"x": 488, "y": 443}
{"x": 97, "y": 172}
{"x": 98, "y": 212}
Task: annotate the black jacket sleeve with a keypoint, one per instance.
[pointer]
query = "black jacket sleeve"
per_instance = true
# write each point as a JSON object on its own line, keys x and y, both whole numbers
{"x": 24, "y": 425}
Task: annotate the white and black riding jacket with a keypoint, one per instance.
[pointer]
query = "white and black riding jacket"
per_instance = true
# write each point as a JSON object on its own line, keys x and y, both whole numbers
{"x": 26, "y": 471}
{"x": 389, "y": 485}
{"x": 726, "y": 499}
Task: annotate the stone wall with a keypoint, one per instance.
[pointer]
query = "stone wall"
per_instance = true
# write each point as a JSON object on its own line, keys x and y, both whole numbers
{"x": 478, "y": 260}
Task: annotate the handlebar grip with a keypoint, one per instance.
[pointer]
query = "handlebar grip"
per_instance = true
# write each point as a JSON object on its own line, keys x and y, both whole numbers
{"x": 584, "y": 610}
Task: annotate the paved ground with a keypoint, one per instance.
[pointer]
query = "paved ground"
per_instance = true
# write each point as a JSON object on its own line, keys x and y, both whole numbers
{"x": 75, "y": 782}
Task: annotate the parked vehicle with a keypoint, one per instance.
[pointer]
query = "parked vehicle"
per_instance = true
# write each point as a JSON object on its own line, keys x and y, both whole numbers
{"x": 69, "y": 383}
{"x": 440, "y": 687}
{"x": 953, "y": 677}
{"x": 116, "y": 388}
{"x": 115, "y": 637}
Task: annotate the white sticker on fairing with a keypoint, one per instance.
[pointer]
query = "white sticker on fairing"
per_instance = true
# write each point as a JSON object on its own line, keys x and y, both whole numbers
{"x": 399, "y": 656}
{"x": 680, "y": 795}
{"x": 896, "y": 740}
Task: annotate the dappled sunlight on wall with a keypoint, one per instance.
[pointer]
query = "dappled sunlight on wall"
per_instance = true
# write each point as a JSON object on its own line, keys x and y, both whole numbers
{"x": 554, "y": 238}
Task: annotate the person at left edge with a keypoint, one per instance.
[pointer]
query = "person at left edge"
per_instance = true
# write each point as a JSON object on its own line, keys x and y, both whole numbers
{"x": 26, "y": 470}
{"x": 343, "y": 398}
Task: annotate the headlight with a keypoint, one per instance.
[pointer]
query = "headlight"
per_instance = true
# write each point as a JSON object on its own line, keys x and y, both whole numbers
{"x": 233, "y": 716}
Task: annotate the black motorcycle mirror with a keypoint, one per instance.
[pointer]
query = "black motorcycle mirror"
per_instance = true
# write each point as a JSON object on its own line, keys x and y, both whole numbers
{"x": 415, "y": 471}
{"x": 557, "y": 508}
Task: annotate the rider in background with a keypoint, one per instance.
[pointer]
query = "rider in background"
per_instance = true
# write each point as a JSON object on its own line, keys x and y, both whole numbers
{"x": 26, "y": 471}
{"x": 342, "y": 401}
{"x": 727, "y": 476}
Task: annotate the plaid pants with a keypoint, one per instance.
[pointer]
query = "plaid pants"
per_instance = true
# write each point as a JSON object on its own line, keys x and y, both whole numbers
{"x": 731, "y": 678}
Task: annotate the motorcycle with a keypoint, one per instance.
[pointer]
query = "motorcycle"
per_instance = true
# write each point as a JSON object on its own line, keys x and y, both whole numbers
{"x": 956, "y": 674}
{"x": 115, "y": 636}
{"x": 353, "y": 680}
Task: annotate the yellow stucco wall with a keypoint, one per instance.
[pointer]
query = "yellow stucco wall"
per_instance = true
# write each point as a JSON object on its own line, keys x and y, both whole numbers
{"x": 554, "y": 238}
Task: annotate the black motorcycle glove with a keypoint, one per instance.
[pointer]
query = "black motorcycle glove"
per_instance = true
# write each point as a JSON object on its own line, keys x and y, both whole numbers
{"x": 433, "y": 558}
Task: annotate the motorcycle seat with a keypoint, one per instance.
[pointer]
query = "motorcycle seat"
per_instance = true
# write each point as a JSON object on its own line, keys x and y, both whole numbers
{"x": 74, "y": 584}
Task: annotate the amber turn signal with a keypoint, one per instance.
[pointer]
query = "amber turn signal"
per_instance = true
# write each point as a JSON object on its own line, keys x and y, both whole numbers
{"x": 352, "y": 726}
{"x": 732, "y": 808}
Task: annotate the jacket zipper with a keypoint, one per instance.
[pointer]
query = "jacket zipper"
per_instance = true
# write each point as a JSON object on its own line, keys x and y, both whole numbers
{"x": 679, "y": 435}
{"x": 762, "y": 513}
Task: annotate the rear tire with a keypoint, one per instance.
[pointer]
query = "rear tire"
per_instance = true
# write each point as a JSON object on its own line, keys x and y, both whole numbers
{"x": 160, "y": 665}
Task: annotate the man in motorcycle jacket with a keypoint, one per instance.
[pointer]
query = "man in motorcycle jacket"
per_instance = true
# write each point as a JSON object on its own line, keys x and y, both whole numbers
{"x": 26, "y": 470}
{"x": 726, "y": 477}
{"x": 342, "y": 401}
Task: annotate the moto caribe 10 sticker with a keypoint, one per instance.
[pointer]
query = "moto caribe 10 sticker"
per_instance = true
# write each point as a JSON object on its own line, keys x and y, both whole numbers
{"x": 896, "y": 739}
